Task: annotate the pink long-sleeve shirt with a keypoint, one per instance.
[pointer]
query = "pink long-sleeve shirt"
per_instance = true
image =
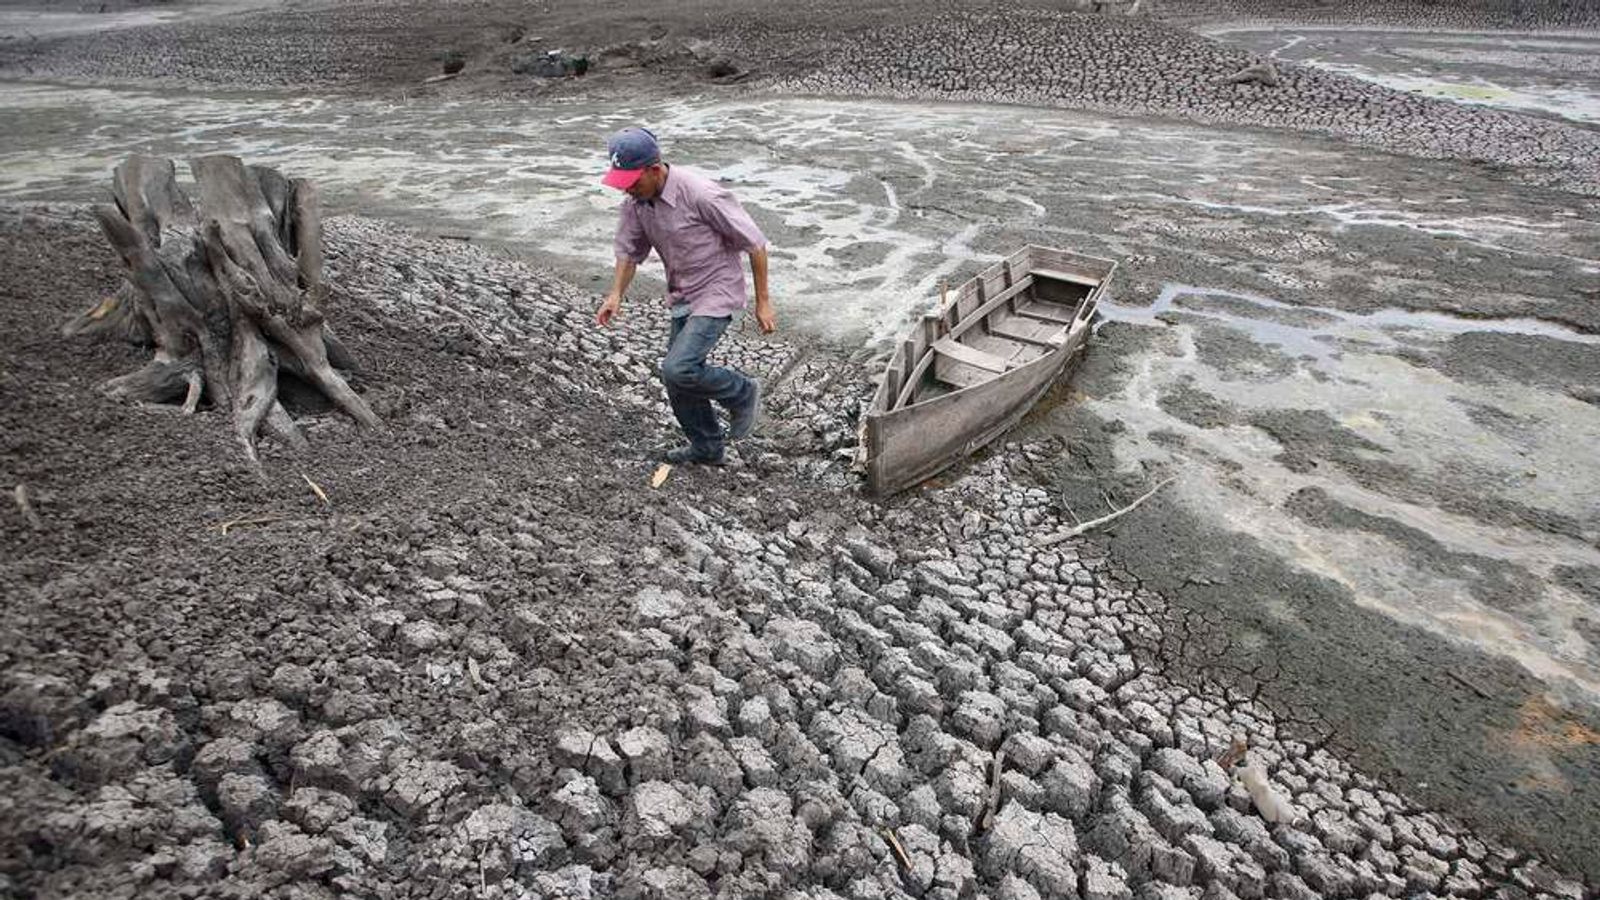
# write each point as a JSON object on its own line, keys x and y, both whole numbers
{"x": 700, "y": 232}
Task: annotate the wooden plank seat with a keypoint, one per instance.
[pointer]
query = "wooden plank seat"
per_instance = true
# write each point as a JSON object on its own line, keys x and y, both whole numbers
{"x": 1046, "y": 312}
{"x": 1015, "y": 353}
{"x": 959, "y": 375}
{"x": 1024, "y": 330}
{"x": 959, "y": 381}
{"x": 971, "y": 356}
{"x": 1069, "y": 277}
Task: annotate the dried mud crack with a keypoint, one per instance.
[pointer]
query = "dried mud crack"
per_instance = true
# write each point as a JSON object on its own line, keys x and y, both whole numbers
{"x": 477, "y": 654}
{"x": 500, "y": 664}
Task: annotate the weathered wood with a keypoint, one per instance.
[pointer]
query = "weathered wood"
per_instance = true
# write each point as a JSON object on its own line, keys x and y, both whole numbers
{"x": 923, "y": 438}
{"x": 1067, "y": 276}
{"x": 191, "y": 398}
{"x": 117, "y": 316}
{"x": 228, "y": 289}
{"x": 1263, "y": 72}
{"x": 239, "y": 224}
{"x": 255, "y": 379}
{"x": 1112, "y": 516}
{"x": 988, "y": 307}
{"x": 959, "y": 375}
{"x": 997, "y": 361}
{"x": 305, "y": 240}
{"x": 907, "y": 392}
{"x": 1046, "y": 312}
{"x": 158, "y": 381}
{"x": 953, "y": 371}
{"x": 1020, "y": 329}
{"x": 1015, "y": 353}
{"x": 971, "y": 356}
{"x": 146, "y": 191}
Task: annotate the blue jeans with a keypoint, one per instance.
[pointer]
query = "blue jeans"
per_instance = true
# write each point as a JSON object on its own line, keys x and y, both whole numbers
{"x": 692, "y": 385}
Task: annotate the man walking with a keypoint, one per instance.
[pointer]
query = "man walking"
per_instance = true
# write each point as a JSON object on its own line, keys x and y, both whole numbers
{"x": 699, "y": 230}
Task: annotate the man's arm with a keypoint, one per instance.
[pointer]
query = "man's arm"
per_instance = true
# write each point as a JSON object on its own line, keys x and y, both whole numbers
{"x": 766, "y": 317}
{"x": 620, "y": 279}
{"x": 724, "y": 214}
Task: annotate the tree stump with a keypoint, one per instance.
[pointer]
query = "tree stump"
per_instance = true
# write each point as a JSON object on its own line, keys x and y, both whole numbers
{"x": 228, "y": 292}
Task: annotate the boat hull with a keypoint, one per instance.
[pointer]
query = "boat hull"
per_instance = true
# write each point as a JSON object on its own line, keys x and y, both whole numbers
{"x": 906, "y": 444}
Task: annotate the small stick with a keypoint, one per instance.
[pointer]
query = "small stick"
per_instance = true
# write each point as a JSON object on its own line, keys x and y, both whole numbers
{"x": 1051, "y": 540}
{"x": 1233, "y": 754}
{"x": 317, "y": 489}
{"x": 25, "y": 504}
{"x": 465, "y": 320}
{"x": 1483, "y": 694}
{"x": 246, "y": 520}
{"x": 1068, "y": 507}
{"x": 986, "y": 821}
{"x": 900, "y": 855}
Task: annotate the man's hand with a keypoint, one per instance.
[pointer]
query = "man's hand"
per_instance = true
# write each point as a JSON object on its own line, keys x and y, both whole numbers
{"x": 608, "y": 310}
{"x": 766, "y": 316}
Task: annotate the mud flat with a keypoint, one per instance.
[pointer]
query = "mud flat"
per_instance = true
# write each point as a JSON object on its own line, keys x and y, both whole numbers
{"x": 1550, "y": 75}
{"x": 491, "y": 671}
{"x": 499, "y": 663}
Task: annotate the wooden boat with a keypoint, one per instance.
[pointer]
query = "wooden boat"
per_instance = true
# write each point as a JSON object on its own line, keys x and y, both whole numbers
{"x": 970, "y": 369}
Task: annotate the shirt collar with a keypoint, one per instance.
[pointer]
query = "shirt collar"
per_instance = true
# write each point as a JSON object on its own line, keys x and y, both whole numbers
{"x": 670, "y": 191}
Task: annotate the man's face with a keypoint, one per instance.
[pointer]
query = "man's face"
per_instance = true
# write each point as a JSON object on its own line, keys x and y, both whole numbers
{"x": 649, "y": 183}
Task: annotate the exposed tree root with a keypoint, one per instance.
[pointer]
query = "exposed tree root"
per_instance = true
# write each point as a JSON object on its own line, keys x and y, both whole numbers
{"x": 228, "y": 290}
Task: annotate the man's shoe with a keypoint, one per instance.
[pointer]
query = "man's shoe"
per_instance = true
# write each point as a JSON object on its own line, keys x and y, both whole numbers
{"x": 686, "y": 455}
{"x": 743, "y": 422}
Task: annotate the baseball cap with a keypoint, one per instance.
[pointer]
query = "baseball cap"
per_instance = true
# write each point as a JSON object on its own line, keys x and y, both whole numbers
{"x": 630, "y": 150}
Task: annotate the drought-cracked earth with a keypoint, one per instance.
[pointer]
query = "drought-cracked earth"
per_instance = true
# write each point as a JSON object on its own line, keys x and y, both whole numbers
{"x": 501, "y": 664}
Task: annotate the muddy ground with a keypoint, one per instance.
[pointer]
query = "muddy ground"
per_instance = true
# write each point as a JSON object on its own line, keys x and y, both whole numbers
{"x": 1375, "y": 375}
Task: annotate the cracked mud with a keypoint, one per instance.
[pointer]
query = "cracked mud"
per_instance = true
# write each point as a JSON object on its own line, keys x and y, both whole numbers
{"x": 500, "y": 664}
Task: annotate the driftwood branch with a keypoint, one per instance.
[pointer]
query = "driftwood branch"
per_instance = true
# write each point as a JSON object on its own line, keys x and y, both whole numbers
{"x": 1263, "y": 72}
{"x": 1057, "y": 538}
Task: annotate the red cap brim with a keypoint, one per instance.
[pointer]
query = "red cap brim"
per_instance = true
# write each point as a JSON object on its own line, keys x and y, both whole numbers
{"x": 621, "y": 179}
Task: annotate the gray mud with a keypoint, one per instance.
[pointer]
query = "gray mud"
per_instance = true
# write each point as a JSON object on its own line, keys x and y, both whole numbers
{"x": 1449, "y": 724}
{"x": 1358, "y": 325}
